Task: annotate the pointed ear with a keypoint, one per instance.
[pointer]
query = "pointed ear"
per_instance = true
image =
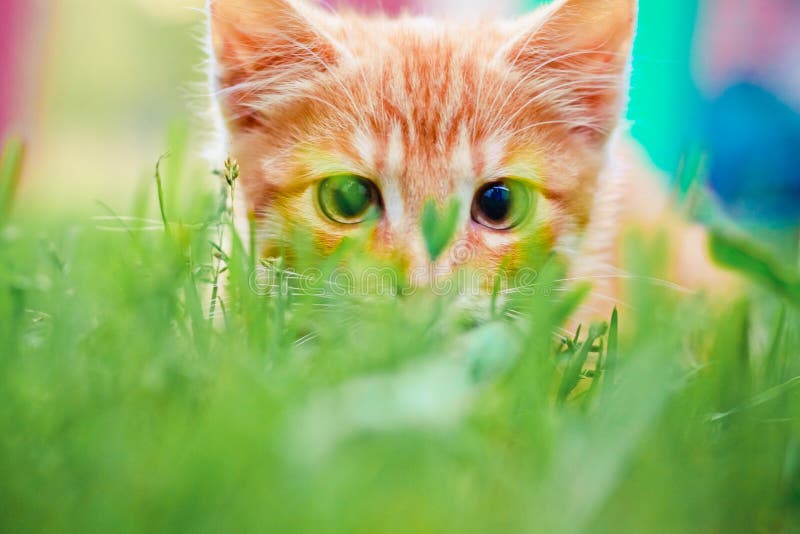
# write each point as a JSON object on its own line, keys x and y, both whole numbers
{"x": 577, "y": 52}
{"x": 265, "y": 51}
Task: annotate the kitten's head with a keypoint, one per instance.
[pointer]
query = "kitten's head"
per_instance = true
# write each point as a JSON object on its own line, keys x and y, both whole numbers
{"x": 340, "y": 121}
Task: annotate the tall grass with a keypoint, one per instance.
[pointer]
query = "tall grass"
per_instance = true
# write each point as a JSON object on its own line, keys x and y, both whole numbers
{"x": 125, "y": 407}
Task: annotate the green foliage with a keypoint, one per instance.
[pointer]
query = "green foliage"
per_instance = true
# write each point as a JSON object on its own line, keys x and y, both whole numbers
{"x": 741, "y": 254}
{"x": 10, "y": 168}
{"x": 301, "y": 407}
{"x": 439, "y": 226}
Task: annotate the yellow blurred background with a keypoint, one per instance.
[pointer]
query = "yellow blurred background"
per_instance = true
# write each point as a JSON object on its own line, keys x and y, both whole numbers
{"x": 113, "y": 78}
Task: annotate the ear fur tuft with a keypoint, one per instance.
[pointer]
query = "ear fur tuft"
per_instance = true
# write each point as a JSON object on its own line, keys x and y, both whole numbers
{"x": 265, "y": 51}
{"x": 579, "y": 51}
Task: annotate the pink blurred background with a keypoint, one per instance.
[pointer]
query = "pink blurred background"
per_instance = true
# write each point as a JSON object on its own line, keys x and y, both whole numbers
{"x": 754, "y": 39}
{"x": 23, "y": 31}
{"x": 12, "y": 24}
{"x": 387, "y": 6}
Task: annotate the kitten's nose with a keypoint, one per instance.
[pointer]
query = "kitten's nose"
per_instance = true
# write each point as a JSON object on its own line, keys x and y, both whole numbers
{"x": 415, "y": 258}
{"x": 405, "y": 244}
{"x": 420, "y": 269}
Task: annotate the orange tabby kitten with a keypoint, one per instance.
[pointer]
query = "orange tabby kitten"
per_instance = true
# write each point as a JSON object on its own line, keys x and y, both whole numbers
{"x": 339, "y": 120}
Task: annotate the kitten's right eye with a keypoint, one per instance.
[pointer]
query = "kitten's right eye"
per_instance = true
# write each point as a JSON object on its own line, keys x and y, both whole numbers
{"x": 502, "y": 205}
{"x": 349, "y": 199}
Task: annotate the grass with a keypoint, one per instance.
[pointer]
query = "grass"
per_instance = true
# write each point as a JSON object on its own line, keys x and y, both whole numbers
{"x": 124, "y": 407}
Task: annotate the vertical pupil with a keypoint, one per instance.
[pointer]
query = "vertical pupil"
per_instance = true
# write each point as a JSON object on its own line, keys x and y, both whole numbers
{"x": 352, "y": 197}
{"x": 495, "y": 202}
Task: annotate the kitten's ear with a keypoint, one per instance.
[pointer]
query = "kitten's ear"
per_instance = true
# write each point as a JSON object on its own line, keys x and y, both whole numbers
{"x": 579, "y": 52}
{"x": 266, "y": 51}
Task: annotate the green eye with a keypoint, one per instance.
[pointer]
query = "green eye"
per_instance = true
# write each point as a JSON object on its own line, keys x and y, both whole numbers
{"x": 348, "y": 199}
{"x": 503, "y": 204}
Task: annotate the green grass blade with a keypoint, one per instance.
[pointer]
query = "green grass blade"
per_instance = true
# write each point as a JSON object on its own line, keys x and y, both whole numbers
{"x": 439, "y": 226}
{"x": 10, "y": 171}
{"x": 162, "y": 207}
{"x": 572, "y": 373}
{"x": 776, "y": 356}
{"x": 612, "y": 353}
{"x": 743, "y": 255}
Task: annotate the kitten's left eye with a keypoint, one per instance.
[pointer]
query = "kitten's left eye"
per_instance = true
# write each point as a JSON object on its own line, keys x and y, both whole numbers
{"x": 502, "y": 205}
{"x": 349, "y": 199}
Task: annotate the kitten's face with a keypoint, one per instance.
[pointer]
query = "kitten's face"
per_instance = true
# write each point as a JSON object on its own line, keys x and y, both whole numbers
{"x": 340, "y": 121}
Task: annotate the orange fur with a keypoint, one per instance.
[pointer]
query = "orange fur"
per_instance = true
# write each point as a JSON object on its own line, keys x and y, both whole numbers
{"x": 429, "y": 109}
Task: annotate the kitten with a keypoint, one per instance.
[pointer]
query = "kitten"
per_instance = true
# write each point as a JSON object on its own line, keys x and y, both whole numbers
{"x": 341, "y": 120}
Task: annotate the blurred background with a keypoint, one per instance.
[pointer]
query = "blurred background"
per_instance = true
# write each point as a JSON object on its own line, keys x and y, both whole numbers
{"x": 97, "y": 89}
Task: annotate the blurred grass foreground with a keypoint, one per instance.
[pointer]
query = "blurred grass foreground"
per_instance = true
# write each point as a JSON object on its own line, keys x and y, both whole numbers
{"x": 136, "y": 396}
{"x": 124, "y": 407}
